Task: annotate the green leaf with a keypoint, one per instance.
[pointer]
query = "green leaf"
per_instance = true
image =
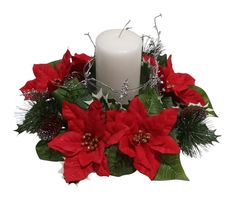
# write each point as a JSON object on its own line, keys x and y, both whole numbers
{"x": 167, "y": 102}
{"x": 162, "y": 60}
{"x": 193, "y": 135}
{"x": 170, "y": 168}
{"x": 60, "y": 95}
{"x": 145, "y": 73}
{"x": 54, "y": 63}
{"x": 46, "y": 153}
{"x": 151, "y": 101}
{"x": 74, "y": 92}
{"x": 113, "y": 104}
{"x": 174, "y": 133}
{"x": 119, "y": 164}
{"x": 81, "y": 101}
{"x": 36, "y": 114}
{"x": 206, "y": 99}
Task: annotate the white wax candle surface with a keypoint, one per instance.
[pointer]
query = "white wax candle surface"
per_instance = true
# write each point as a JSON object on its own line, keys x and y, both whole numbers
{"x": 118, "y": 59}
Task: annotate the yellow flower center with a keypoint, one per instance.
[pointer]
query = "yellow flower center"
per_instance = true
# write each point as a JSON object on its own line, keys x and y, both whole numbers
{"x": 141, "y": 137}
{"x": 89, "y": 141}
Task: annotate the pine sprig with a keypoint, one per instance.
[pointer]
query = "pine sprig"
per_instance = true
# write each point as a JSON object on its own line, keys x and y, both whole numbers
{"x": 37, "y": 113}
{"x": 192, "y": 131}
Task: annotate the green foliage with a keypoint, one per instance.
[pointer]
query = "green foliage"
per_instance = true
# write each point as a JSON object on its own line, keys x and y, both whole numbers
{"x": 192, "y": 137}
{"x": 167, "y": 102}
{"x": 151, "y": 101}
{"x": 145, "y": 73}
{"x": 174, "y": 134}
{"x": 170, "y": 168}
{"x": 192, "y": 131}
{"x": 113, "y": 104}
{"x": 146, "y": 69}
{"x": 46, "y": 153}
{"x": 54, "y": 63}
{"x": 38, "y": 112}
{"x": 162, "y": 60}
{"x": 74, "y": 92}
{"x": 206, "y": 99}
{"x": 119, "y": 164}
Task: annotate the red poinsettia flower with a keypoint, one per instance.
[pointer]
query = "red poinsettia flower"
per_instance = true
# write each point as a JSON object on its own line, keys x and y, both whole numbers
{"x": 79, "y": 61}
{"x": 144, "y": 137}
{"x": 149, "y": 58}
{"x": 83, "y": 145}
{"x": 179, "y": 84}
{"x": 48, "y": 78}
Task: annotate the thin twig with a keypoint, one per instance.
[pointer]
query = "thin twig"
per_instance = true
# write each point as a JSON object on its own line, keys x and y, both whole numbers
{"x": 155, "y": 23}
{"x": 87, "y": 34}
{"x": 124, "y": 28}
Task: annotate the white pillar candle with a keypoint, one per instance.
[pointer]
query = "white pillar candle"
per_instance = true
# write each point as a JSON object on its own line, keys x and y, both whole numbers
{"x": 118, "y": 58}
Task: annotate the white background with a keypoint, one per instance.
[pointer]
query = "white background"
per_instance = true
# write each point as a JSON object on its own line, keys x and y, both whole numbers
{"x": 201, "y": 37}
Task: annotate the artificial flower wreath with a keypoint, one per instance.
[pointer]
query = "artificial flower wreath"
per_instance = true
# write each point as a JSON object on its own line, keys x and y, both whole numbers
{"x": 92, "y": 132}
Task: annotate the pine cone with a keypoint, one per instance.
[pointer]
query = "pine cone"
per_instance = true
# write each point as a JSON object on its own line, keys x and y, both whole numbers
{"x": 49, "y": 128}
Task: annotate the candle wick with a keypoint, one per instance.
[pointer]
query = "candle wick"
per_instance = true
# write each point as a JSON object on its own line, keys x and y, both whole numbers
{"x": 124, "y": 28}
{"x": 88, "y": 34}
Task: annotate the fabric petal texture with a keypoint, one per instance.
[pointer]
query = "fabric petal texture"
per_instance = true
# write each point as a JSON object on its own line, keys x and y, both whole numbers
{"x": 84, "y": 144}
{"x": 146, "y": 162}
{"x": 150, "y": 138}
{"x": 74, "y": 172}
{"x": 68, "y": 143}
{"x": 179, "y": 84}
{"x": 94, "y": 132}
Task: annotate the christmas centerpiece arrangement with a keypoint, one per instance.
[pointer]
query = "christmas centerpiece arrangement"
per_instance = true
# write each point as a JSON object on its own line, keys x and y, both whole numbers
{"x": 122, "y": 110}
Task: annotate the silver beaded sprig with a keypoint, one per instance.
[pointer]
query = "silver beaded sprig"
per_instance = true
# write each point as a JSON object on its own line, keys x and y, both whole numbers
{"x": 155, "y": 80}
{"x": 151, "y": 44}
{"x": 35, "y": 95}
{"x": 124, "y": 89}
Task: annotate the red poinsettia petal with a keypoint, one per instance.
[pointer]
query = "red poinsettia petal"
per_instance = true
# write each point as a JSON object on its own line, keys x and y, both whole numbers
{"x": 163, "y": 123}
{"x": 180, "y": 81}
{"x": 95, "y": 105}
{"x": 112, "y": 115}
{"x": 168, "y": 70}
{"x": 152, "y": 61}
{"x": 145, "y": 161}
{"x": 63, "y": 68}
{"x": 141, "y": 155}
{"x": 126, "y": 147}
{"x": 80, "y": 59}
{"x": 114, "y": 129}
{"x": 74, "y": 172}
{"x": 73, "y": 111}
{"x": 102, "y": 169}
{"x": 44, "y": 71}
{"x": 95, "y": 124}
{"x": 164, "y": 145}
{"x": 28, "y": 87}
{"x": 95, "y": 110}
{"x": 96, "y": 156}
{"x": 137, "y": 108}
{"x": 189, "y": 96}
{"x": 44, "y": 74}
{"x": 145, "y": 57}
{"x": 78, "y": 63}
{"x": 130, "y": 120}
{"x": 76, "y": 125}
{"x": 114, "y": 132}
{"x": 68, "y": 143}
